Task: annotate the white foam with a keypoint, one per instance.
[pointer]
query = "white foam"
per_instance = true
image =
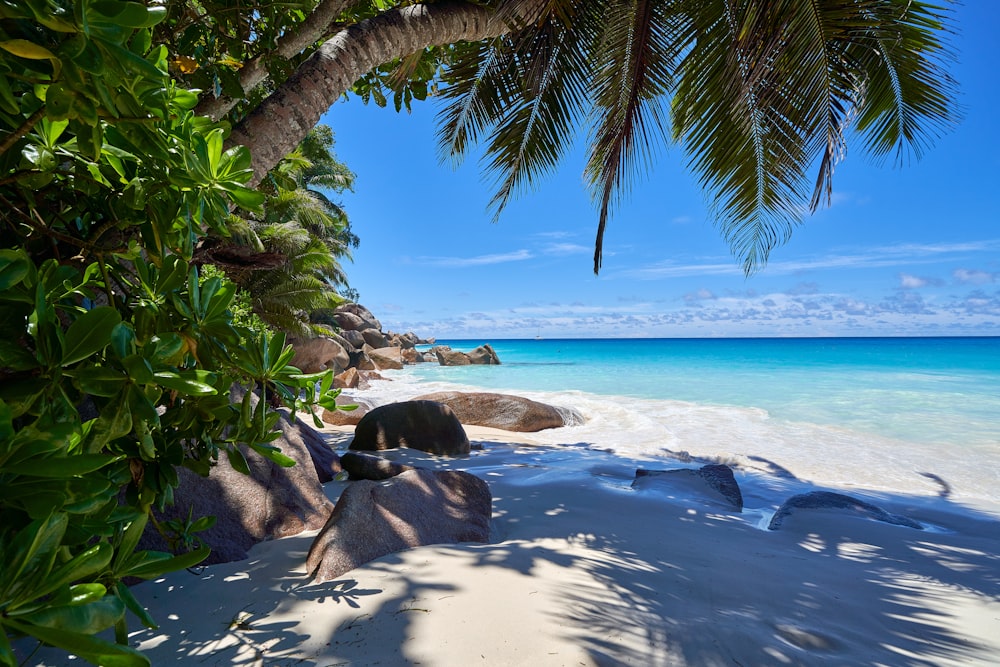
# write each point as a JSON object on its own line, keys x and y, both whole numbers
{"x": 747, "y": 438}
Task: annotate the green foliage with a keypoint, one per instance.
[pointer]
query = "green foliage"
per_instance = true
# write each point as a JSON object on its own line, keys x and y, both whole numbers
{"x": 304, "y": 231}
{"x": 116, "y": 356}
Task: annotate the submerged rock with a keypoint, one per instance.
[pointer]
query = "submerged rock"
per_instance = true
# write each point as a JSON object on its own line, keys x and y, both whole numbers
{"x": 827, "y": 500}
{"x": 717, "y": 480}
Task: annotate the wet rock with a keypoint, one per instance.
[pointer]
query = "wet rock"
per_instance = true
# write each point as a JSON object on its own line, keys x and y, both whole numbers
{"x": 844, "y": 504}
{"x": 716, "y": 480}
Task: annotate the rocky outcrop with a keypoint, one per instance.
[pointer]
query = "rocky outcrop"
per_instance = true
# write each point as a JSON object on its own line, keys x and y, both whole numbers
{"x": 838, "y": 502}
{"x": 715, "y": 481}
{"x": 449, "y": 357}
{"x": 503, "y": 411}
{"x": 269, "y": 503}
{"x": 385, "y": 358}
{"x": 362, "y": 340}
{"x": 483, "y": 355}
{"x": 424, "y": 425}
{"x": 313, "y": 355}
{"x": 415, "y": 508}
{"x": 367, "y": 466}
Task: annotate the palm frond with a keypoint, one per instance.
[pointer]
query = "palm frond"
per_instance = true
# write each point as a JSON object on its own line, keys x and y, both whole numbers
{"x": 633, "y": 70}
{"x": 481, "y": 82}
{"x": 907, "y": 96}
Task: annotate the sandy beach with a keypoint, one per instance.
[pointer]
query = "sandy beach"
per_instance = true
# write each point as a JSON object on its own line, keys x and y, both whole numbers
{"x": 586, "y": 570}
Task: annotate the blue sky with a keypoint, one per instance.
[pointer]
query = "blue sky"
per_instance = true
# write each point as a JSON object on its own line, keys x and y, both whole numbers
{"x": 902, "y": 251}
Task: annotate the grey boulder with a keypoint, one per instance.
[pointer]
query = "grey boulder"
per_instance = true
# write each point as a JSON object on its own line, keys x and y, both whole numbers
{"x": 415, "y": 508}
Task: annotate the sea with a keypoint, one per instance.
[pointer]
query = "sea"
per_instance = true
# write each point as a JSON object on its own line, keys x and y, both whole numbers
{"x": 905, "y": 417}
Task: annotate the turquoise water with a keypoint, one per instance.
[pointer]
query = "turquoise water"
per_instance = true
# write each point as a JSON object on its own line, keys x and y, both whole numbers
{"x": 889, "y": 411}
{"x": 930, "y": 389}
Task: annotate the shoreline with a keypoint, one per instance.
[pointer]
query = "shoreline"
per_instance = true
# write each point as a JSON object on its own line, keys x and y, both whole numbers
{"x": 583, "y": 569}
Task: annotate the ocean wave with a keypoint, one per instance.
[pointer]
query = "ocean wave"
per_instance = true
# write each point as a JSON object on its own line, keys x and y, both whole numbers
{"x": 747, "y": 438}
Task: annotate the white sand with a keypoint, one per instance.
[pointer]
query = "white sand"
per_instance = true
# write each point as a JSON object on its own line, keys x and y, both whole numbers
{"x": 587, "y": 571}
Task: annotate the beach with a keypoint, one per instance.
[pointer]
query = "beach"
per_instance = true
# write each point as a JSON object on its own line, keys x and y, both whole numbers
{"x": 586, "y": 568}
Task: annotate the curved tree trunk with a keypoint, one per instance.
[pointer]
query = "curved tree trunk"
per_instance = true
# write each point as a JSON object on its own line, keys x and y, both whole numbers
{"x": 283, "y": 119}
{"x": 254, "y": 72}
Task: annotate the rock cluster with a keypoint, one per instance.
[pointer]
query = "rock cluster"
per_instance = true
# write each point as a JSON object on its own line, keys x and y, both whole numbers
{"x": 360, "y": 349}
{"x": 361, "y": 345}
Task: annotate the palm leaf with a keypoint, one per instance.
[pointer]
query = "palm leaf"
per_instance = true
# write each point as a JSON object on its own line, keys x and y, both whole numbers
{"x": 633, "y": 69}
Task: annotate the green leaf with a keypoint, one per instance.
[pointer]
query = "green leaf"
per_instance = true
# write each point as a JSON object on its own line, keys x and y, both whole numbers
{"x": 92, "y": 649}
{"x": 151, "y": 564}
{"x": 31, "y": 51}
{"x": 60, "y": 467}
{"x": 85, "y": 564}
{"x": 187, "y": 382}
{"x": 89, "y": 618}
{"x": 90, "y": 333}
{"x": 99, "y": 380}
{"x": 125, "y": 594}
{"x": 13, "y": 267}
{"x": 273, "y": 454}
{"x": 237, "y": 460}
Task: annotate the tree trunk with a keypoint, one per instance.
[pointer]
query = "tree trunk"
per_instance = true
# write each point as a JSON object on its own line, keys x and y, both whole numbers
{"x": 281, "y": 121}
{"x": 254, "y": 72}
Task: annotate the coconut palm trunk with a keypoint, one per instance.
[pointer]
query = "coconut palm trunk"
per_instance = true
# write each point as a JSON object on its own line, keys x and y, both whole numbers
{"x": 286, "y": 117}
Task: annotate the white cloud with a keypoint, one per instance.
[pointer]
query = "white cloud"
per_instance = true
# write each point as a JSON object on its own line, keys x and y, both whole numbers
{"x": 480, "y": 260}
{"x": 773, "y": 314}
{"x": 561, "y": 249}
{"x": 974, "y": 276}
{"x": 879, "y": 257}
{"x": 906, "y": 281}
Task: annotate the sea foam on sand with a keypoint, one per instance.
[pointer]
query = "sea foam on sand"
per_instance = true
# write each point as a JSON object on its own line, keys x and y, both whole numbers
{"x": 585, "y": 570}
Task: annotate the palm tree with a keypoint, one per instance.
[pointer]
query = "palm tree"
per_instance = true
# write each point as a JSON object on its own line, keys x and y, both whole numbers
{"x": 288, "y": 261}
{"x": 757, "y": 92}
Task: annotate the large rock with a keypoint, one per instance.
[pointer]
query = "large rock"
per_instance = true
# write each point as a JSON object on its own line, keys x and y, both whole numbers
{"x": 366, "y": 466}
{"x": 386, "y": 358}
{"x": 424, "y": 425}
{"x": 714, "y": 480}
{"x": 365, "y": 315}
{"x": 349, "y": 379}
{"x": 374, "y": 338}
{"x": 484, "y": 354}
{"x": 415, "y": 508}
{"x": 840, "y": 503}
{"x": 362, "y": 361}
{"x": 346, "y": 417}
{"x": 313, "y": 355}
{"x": 503, "y": 411}
{"x": 355, "y": 338}
{"x": 350, "y": 322}
{"x": 270, "y": 503}
{"x": 449, "y": 357}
